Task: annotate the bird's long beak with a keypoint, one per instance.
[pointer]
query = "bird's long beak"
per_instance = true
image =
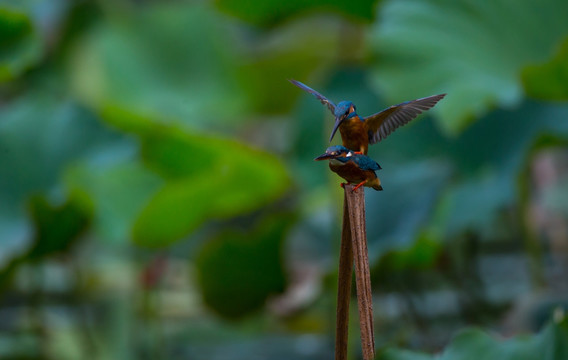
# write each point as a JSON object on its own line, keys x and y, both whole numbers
{"x": 338, "y": 122}
{"x": 324, "y": 157}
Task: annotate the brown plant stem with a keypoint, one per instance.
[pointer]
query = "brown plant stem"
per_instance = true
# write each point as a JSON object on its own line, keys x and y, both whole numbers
{"x": 344, "y": 287}
{"x": 356, "y": 210}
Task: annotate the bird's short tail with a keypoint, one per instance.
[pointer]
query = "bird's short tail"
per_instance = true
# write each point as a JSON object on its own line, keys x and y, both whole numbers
{"x": 376, "y": 184}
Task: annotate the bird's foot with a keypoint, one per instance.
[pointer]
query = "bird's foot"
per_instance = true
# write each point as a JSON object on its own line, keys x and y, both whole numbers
{"x": 343, "y": 185}
{"x": 359, "y": 185}
{"x": 358, "y": 152}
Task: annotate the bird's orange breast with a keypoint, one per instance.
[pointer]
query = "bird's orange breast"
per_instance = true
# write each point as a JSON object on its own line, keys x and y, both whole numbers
{"x": 354, "y": 134}
{"x": 351, "y": 172}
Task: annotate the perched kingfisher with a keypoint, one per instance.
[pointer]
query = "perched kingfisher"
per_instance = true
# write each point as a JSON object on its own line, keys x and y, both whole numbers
{"x": 355, "y": 168}
{"x": 357, "y": 132}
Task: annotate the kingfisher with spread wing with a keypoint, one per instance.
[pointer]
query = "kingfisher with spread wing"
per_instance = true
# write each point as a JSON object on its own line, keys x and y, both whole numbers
{"x": 358, "y": 132}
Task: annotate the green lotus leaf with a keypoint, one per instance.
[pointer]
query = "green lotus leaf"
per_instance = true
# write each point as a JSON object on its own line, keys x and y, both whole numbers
{"x": 243, "y": 266}
{"x": 20, "y": 45}
{"x": 271, "y": 12}
{"x": 549, "y": 344}
{"x": 548, "y": 81}
{"x": 209, "y": 178}
{"x": 473, "y": 51}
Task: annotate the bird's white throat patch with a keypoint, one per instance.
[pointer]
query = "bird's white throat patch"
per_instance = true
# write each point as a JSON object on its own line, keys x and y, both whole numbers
{"x": 336, "y": 162}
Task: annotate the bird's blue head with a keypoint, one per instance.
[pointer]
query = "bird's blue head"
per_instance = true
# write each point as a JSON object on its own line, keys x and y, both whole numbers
{"x": 339, "y": 152}
{"x": 343, "y": 110}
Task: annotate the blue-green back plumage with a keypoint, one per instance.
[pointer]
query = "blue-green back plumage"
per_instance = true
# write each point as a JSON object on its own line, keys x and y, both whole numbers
{"x": 365, "y": 163}
{"x": 362, "y": 161}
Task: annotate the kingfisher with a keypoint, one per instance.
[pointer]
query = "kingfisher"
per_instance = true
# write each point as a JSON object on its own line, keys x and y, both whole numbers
{"x": 355, "y": 168}
{"x": 358, "y": 132}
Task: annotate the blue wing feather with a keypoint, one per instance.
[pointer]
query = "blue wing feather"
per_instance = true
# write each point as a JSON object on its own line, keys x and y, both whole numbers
{"x": 385, "y": 122}
{"x": 330, "y": 105}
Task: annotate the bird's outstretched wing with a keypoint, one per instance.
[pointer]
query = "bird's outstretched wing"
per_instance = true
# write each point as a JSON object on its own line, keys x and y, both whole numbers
{"x": 366, "y": 163}
{"x": 330, "y": 105}
{"x": 381, "y": 124}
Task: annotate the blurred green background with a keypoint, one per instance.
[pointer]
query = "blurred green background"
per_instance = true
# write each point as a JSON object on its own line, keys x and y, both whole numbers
{"x": 159, "y": 199}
